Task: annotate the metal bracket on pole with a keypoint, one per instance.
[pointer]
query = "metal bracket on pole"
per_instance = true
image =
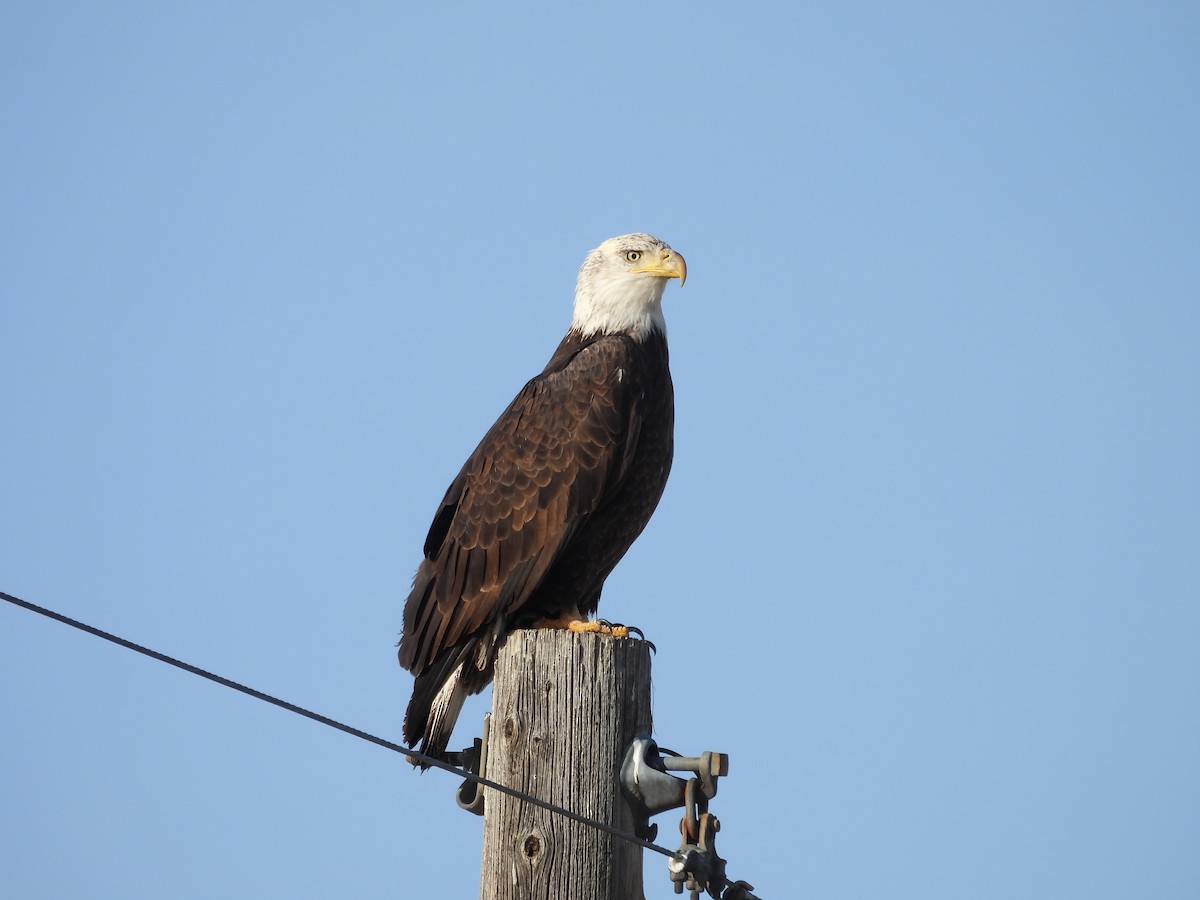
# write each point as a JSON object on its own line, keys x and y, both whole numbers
{"x": 469, "y": 795}
{"x": 650, "y": 790}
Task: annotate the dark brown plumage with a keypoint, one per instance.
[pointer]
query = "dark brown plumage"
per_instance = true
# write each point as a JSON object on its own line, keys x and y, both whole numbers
{"x": 551, "y": 499}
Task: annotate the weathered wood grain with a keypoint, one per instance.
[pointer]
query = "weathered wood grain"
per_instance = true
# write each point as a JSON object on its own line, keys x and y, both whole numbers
{"x": 565, "y": 707}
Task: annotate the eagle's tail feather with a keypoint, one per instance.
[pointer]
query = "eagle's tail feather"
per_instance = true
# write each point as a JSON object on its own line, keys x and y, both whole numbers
{"x": 439, "y": 691}
{"x": 437, "y": 699}
{"x": 443, "y": 713}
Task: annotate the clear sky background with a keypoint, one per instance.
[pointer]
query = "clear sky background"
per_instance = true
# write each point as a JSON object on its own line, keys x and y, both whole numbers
{"x": 927, "y": 567}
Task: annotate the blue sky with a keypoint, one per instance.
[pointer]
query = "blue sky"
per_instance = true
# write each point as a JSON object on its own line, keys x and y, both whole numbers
{"x": 927, "y": 565}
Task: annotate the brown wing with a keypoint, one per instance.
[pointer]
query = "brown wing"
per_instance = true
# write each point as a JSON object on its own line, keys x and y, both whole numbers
{"x": 539, "y": 471}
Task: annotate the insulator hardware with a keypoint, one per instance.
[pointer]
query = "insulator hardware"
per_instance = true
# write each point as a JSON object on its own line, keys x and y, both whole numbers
{"x": 650, "y": 789}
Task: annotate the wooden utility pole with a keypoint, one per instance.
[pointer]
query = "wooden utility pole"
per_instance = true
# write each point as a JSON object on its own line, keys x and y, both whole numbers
{"x": 565, "y": 708}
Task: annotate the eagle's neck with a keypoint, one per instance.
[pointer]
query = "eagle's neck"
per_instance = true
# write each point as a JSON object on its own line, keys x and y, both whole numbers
{"x": 621, "y": 304}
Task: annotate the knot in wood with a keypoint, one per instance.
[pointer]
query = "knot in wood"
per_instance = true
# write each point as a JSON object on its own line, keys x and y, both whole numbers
{"x": 511, "y": 729}
{"x": 532, "y": 847}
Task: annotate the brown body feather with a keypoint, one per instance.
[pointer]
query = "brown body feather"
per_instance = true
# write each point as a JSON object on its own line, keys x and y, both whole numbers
{"x": 553, "y": 496}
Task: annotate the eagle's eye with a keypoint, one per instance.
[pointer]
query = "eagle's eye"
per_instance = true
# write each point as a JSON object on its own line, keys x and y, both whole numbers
{"x": 633, "y": 255}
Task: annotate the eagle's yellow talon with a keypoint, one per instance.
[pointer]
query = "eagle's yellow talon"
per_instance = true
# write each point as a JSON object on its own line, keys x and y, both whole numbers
{"x": 597, "y": 627}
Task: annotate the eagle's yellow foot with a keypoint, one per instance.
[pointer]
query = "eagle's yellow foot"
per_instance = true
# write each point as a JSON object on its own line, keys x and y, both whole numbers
{"x": 599, "y": 626}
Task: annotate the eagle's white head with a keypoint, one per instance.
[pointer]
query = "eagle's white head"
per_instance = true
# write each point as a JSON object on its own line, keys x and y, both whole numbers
{"x": 621, "y": 285}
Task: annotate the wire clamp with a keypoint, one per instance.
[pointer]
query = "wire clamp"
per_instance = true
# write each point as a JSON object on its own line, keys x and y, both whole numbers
{"x": 697, "y": 866}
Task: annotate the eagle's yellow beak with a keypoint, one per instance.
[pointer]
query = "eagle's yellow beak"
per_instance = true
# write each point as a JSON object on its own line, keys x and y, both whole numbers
{"x": 668, "y": 265}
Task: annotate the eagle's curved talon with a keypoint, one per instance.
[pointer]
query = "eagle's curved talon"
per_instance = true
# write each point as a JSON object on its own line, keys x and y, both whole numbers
{"x": 641, "y": 636}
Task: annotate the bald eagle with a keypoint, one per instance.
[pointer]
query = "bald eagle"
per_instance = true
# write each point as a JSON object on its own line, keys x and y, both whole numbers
{"x": 555, "y": 493}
